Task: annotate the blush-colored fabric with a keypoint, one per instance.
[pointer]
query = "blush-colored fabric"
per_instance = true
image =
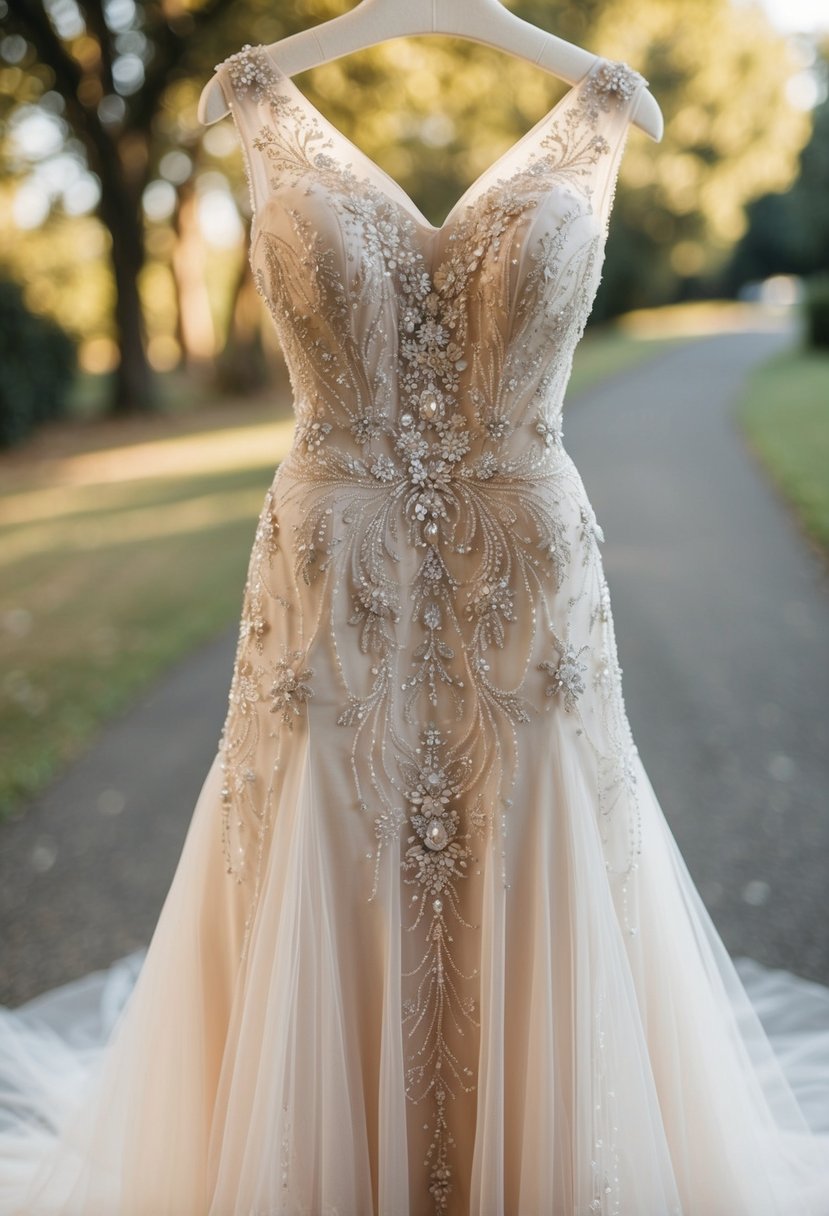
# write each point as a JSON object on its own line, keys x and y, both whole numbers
{"x": 430, "y": 947}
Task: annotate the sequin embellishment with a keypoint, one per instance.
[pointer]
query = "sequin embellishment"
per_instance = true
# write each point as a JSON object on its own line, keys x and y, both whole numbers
{"x": 431, "y": 531}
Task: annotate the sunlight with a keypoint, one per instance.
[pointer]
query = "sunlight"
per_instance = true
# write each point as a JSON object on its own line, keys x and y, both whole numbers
{"x": 99, "y": 531}
{"x": 221, "y": 451}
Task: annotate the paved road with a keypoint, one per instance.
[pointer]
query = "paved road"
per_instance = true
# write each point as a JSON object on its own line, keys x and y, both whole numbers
{"x": 722, "y": 621}
{"x": 84, "y": 871}
{"x": 722, "y": 616}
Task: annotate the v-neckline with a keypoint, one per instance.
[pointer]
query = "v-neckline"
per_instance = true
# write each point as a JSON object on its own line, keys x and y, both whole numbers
{"x": 433, "y": 230}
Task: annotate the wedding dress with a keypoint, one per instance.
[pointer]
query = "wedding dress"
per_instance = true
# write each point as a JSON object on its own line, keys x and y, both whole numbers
{"x": 430, "y": 947}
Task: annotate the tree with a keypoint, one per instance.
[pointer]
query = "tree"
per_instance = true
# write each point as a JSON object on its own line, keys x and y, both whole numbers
{"x": 788, "y": 231}
{"x": 434, "y": 113}
{"x": 720, "y": 72}
{"x": 112, "y": 64}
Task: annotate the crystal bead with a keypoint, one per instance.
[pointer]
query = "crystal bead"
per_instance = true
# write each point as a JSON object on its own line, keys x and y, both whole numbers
{"x": 436, "y": 837}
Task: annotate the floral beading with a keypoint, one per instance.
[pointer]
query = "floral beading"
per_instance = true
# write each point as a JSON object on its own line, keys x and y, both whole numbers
{"x": 428, "y": 496}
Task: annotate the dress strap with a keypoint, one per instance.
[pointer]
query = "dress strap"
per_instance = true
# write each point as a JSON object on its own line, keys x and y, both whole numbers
{"x": 608, "y": 102}
{"x": 250, "y": 83}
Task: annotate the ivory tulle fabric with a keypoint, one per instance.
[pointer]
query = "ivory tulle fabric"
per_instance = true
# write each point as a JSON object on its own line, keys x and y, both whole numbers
{"x": 430, "y": 947}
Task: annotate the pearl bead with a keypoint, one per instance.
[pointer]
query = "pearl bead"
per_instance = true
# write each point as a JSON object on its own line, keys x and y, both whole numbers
{"x": 436, "y": 837}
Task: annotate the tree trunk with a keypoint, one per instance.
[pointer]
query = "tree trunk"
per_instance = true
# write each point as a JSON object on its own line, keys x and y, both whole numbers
{"x": 196, "y": 332}
{"x": 135, "y": 388}
{"x": 82, "y": 72}
{"x": 242, "y": 366}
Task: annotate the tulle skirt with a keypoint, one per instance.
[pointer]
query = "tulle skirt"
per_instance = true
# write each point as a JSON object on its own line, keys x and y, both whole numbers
{"x": 623, "y": 1064}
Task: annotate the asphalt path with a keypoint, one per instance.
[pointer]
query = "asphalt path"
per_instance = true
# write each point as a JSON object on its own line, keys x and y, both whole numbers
{"x": 722, "y": 620}
{"x": 85, "y": 868}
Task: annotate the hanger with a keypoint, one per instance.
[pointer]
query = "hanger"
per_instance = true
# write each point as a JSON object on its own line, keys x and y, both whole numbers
{"x": 483, "y": 21}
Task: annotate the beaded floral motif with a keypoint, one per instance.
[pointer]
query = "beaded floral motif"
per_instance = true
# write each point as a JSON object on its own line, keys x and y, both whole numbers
{"x": 428, "y": 495}
{"x": 250, "y": 73}
{"x": 437, "y": 856}
{"x": 290, "y": 688}
{"x": 568, "y": 675}
{"x": 613, "y": 83}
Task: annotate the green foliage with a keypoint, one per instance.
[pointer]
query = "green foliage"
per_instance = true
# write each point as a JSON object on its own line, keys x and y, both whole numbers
{"x": 433, "y": 112}
{"x": 730, "y": 135}
{"x": 788, "y": 232}
{"x": 37, "y": 365}
{"x": 785, "y": 412}
{"x": 816, "y": 309}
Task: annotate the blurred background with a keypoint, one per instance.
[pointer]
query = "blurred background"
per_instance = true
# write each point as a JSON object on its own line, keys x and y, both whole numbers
{"x": 144, "y": 405}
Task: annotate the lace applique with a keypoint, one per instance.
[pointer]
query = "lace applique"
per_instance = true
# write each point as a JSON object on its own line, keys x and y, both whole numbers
{"x": 290, "y": 688}
{"x": 430, "y": 496}
{"x": 436, "y": 859}
{"x": 250, "y": 72}
{"x": 613, "y": 83}
{"x": 568, "y": 675}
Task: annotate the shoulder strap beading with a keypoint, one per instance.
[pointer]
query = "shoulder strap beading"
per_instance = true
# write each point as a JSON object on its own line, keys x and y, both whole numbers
{"x": 251, "y": 72}
{"x": 249, "y": 78}
{"x": 611, "y": 90}
{"x": 613, "y": 83}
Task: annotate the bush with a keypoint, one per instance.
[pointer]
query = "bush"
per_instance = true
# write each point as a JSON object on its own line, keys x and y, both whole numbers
{"x": 37, "y": 366}
{"x": 816, "y": 309}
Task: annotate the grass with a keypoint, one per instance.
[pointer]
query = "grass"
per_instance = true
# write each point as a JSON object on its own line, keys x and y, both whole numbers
{"x": 609, "y": 352}
{"x": 121, "y": 548}
{"x": 124, "y": 544}
{"x": 785, "y": 414}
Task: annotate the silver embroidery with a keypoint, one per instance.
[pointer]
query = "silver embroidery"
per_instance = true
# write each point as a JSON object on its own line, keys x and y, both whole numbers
{"x": 437, "y": 857}
{"x": 290, "y": 688}
{"x": 428, "y": 458}
{"x": 614, "y": 82}
{"x": 568, "y": 675}
{"x": 250, "y": 72}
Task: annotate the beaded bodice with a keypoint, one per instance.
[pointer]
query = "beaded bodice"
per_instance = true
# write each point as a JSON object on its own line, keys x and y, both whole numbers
{"x": 462, "y": 334}
{"x": 426, "y": 568}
